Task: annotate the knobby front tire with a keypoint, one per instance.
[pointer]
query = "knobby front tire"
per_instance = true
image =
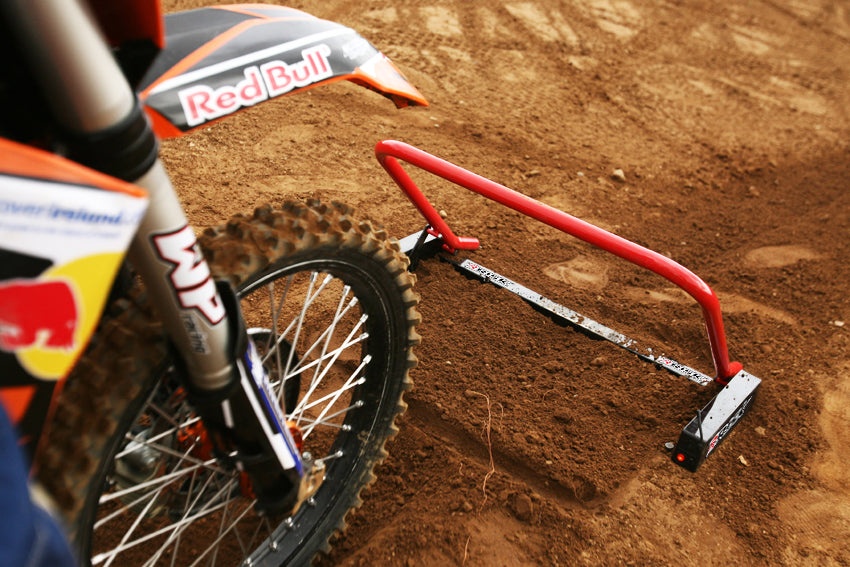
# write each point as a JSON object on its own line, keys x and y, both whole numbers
{"x": 329, "y": 303}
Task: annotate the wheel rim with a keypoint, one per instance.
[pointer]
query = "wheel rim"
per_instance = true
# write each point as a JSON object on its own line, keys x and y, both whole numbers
{"x": 166, "y": 499}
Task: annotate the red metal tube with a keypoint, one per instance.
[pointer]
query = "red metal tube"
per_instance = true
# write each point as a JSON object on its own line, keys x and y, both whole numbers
{"x": 389, "y": 152}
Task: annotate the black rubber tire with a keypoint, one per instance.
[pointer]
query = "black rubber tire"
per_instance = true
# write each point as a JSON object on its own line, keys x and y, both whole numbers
{"x": 251, "y": 252}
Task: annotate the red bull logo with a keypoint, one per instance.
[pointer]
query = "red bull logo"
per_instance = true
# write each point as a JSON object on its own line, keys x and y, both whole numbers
{"x": 35, "y": 313}
{"x": 274, "y": 78}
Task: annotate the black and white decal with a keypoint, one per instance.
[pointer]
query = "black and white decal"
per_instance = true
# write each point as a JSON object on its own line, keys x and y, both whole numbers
{"x": 585, "y": 323}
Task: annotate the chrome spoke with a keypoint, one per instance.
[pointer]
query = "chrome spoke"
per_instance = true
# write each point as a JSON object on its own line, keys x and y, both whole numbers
{"x": 350, "y": 383}
{"x": 220, "y": 537}
{"x": 325, "y": 421}
{"x": 99, "y": 558}
{"x": 329, "y": 332}
{"x": 157, "y": 437}
{"x": 316, "y": 381}
{"x": 160, "y": 480}
{"x": 185, "y": 457}
{"x": 139, "y": 517}
{"x": 334, "y": 354}
{"x": 177, "y": 532}
{"x": 131, "y": 505}
{"x": 298, "y": 327}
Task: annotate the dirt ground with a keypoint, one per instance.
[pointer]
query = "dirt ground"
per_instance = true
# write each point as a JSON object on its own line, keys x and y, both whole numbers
{"x": 527, "y": 443}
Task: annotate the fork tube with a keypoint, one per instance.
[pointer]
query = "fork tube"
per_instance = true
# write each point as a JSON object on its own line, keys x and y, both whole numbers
{"x": 92, "y": 101}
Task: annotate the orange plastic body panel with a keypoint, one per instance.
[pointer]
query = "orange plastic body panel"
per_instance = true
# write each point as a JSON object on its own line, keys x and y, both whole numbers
{"x": 26, "y": 161}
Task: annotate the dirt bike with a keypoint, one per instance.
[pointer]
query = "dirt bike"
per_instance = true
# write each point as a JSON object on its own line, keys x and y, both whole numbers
{"x": 220, "y": 398}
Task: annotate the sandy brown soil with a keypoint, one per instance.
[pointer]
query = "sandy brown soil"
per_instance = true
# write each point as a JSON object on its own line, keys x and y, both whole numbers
{"x": 526, "y": 443}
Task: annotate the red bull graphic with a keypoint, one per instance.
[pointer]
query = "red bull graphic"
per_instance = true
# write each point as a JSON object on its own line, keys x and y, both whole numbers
{"x": 202, "y": 103}
{"x": 221, "y": 59}
{"x": 37, "y": 313}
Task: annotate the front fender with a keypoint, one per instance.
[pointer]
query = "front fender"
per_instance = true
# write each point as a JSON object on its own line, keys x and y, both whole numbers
{"x": 221, "y": 59}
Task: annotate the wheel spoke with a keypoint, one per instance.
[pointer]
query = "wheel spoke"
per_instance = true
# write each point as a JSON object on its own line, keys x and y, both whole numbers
{"x": 314, "y": 384}
{"x": 284, "y": 371}
{"x": 182, "y": 526}
{"x": 333, "y": 397}
{"x": 329, "y": 331}
{"x": 97, "y": 559}
{"x": 326, "y": 420}
{"x": 326, "y": 335}
{"x": 127, "y": 450}
{"x": 210, "y": 465}
{"x": 334, "y": 354}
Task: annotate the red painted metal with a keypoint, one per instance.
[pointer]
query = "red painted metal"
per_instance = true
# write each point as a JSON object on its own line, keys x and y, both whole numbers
{"x": 389, "y": 152}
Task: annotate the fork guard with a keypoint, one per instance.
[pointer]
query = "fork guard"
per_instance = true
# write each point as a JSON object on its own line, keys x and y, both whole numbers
{"x": 713, "y": 423}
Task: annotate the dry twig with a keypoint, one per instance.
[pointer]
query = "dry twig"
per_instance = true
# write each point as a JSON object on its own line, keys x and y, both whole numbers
{"x": 486, "y": 434}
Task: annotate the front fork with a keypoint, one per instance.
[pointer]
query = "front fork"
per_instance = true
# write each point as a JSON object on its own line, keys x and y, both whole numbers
{"x": 103, "y": 126}
{"x": 247, "y": 426}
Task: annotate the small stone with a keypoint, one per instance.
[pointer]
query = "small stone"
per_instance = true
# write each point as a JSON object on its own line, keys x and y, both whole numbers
{"x": 466, "y": 506}
{"x": 563, "y": 416}
{"x": 534, "y": 438}
{"x": 618, "y": 175}
{"x": 743, "y": 460}
{"x": 669, "y": 445}
{"x": 838, "y": 323}
{"x": 443, "y": 214}
{"x": 522, "y": 507}
{"x": 761, "y": 431}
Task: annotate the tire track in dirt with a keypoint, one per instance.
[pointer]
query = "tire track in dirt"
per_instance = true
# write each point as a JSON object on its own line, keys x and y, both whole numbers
{"x": 822, "y": 512}
{"x": 818, "y": 513}
{"x": 580, "y": 495}
{"x": 453, "y": 438}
